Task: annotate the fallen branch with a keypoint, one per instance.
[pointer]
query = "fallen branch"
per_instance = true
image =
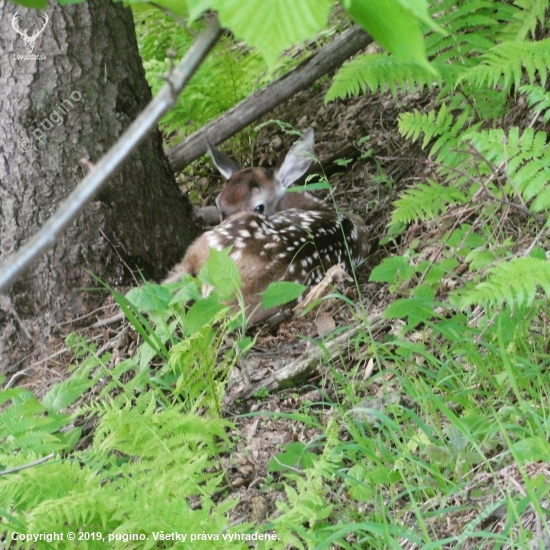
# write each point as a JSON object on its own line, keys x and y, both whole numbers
{"x": 25, "y": 466}
{"x": 310, "y": 359}
{"x": 252, "y": 108}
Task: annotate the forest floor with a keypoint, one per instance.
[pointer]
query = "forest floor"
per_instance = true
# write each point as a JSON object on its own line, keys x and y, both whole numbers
{"x": 366, "y": 180}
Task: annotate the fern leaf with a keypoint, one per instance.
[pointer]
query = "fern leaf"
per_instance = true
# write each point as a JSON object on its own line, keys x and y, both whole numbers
{"x": 538, "y": 98}
{"x": 412, "y": 125}
{"x": 513, "y": 283}
{"x": 378, "y": 72}
{"x": 474, "y": 26}
{"x": 425, "y": 201}
{"x": 532, "y": 12}
{"x": 526, "y": 158}
{"x": 506, "y": 63}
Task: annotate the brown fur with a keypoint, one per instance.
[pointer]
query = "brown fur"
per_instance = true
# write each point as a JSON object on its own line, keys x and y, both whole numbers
{"x": 297, "y": 238}
{"x": 294, "y": 245}
{"x": 243, "y": 187}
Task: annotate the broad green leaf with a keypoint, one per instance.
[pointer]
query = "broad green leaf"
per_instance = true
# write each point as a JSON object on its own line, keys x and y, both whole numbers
{"x": 399, "y": 309}
{"x": 395, "y": 25}
{"x": 419, "y": 8}
{"x": 201, "y": 313}
{"x": 479, "y": 259}
{"x": 438, "y": 454}
{"x": 358, "y": 488}
{"x": 294, "y": 455}
{"x": 382, "y": 475}
{"x": 150, "y": 297}
{"x": 417, "y": 309}
{"x": 189, "y": 291}
{"x": 220, "y": 271}
{"x": 448, "y": 264}
{"x": 274, "y": 25}
{"x": 424, "y": 293}
{"x": 538, "y": 252}
{"x": 532, "y": 449}
{"x": 197, "y": 8}
{"x": 457, "y": 439}
{"x": 35, "y": 4}
{"x": 392, "y": 270}
{"x": 65, "y": 393}
{"x": 281, "y": 293}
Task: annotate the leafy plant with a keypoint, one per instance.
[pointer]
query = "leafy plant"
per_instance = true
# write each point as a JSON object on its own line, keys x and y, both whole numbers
{"x": 228, "y": 75}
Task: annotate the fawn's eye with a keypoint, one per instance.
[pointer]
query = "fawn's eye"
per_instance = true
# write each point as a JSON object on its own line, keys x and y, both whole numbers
{"x": 260, "y": 208}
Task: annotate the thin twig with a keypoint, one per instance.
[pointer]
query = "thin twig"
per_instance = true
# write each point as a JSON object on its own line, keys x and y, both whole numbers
{"x": 76, "y": 319}
{"x": 535, "y": 241}
{"x": 109, "y": 321}
{"x": 17, "y": 375}
{"x": 90, "y": 185}
{"x": 175, "y": 17}
{"x": 25, "y": 466}
{"x": 119, "y": 256}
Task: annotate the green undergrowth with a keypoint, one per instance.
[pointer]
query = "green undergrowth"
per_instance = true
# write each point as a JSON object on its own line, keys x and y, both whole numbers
{"x": 229, "y": 74}
{"x": 432, "y": 432}
{"x": 450, "y": 401}
{"x": 159, "y": 433}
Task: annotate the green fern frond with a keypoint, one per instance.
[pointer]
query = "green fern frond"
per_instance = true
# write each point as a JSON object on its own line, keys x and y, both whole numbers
{"x": 538, "y": 98}
{"x": 526, "y": 19}
{"x": 525, "y": 159}
{"x": 509, "y": 62}
{"x": 228, "y": 75}
{"x": 431, "y": 124}
{"x": 514, "y": 283}
{"x": 129, "y": 430}
{"x": 425, "y": 201}
{"x": 473, "y": 26}
{"x": 378, "y": 72}
{"x": 444, "y": 133}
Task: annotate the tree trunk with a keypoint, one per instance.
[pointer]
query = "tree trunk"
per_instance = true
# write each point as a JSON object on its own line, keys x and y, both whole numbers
{"x": 69, "y": 100}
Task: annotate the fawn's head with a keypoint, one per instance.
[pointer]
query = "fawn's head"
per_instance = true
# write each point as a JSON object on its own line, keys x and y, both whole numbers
{"x": 262, "y": 190}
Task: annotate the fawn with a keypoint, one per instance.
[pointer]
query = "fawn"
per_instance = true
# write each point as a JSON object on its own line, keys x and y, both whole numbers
{"x": 263, "y": 190}
{"x": 274, "y": 235}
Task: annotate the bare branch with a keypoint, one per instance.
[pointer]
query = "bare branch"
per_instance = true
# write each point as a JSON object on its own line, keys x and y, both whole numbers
{"x": 134, "y": 135}
{"x": 25, "y": 466}
{"x": 310, "y": 359}
{"x": 253, "y": 107}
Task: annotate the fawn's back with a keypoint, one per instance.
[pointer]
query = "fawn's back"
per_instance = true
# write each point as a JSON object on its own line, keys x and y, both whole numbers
{"x": 292, "y": 245}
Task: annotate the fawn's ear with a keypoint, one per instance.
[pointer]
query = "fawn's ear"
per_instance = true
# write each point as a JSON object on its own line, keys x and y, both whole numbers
{"x": 297, "y": 160}
{"x": 224, "y": 164}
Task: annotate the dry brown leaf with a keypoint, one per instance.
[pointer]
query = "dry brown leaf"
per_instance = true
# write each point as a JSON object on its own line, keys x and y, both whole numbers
{"x": 325, "y": 323}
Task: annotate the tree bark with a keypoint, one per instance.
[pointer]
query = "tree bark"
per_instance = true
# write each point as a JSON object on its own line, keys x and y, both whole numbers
{"x": 81, "y": 88}
{"x": 252, "y": 108}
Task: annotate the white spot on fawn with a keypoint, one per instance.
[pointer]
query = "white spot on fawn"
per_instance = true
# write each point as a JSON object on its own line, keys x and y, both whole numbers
{"x": 213, "y": 240}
